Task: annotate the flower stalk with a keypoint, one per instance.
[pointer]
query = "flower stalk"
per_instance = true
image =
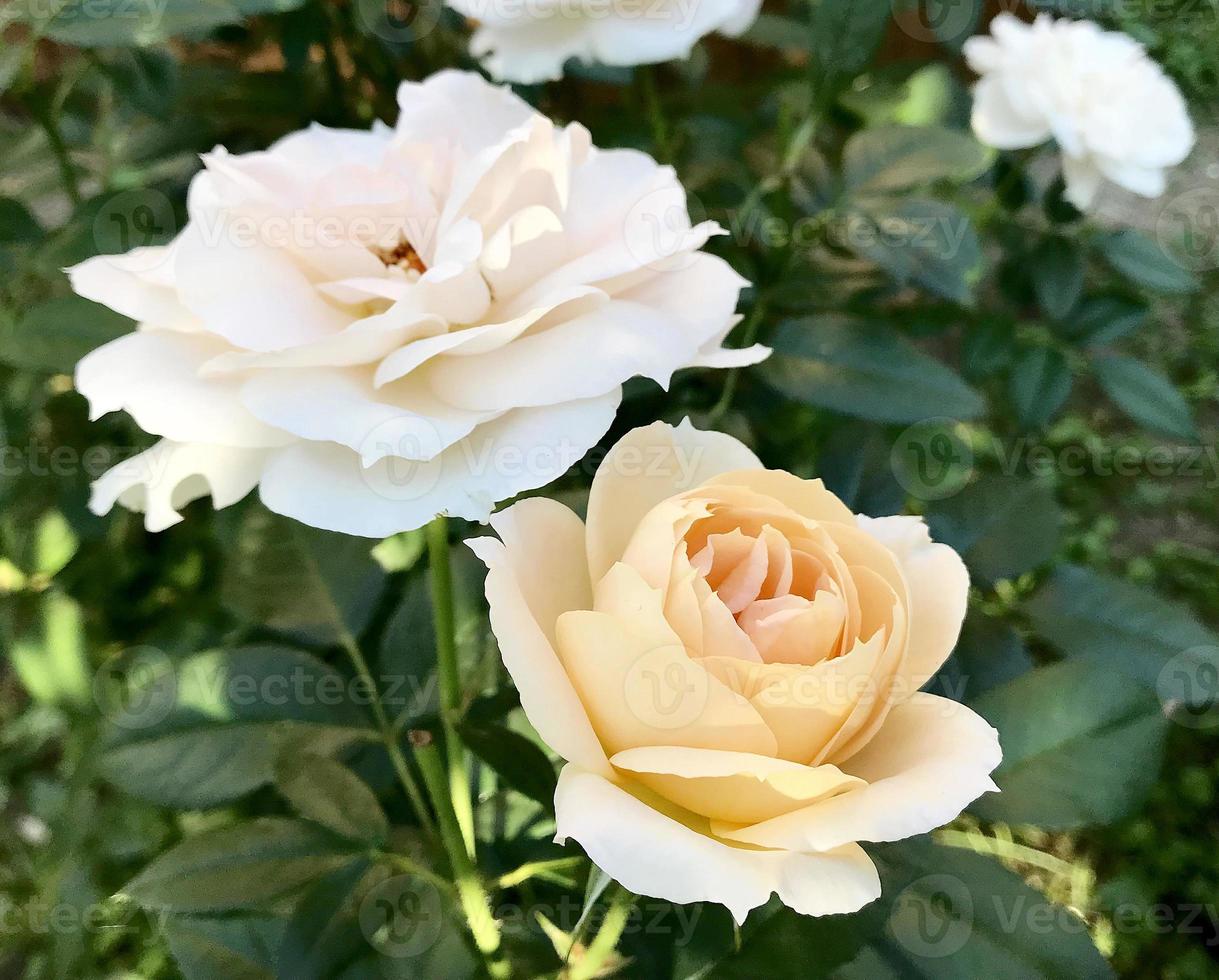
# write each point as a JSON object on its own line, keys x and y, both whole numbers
{"x": 445, "y": 621}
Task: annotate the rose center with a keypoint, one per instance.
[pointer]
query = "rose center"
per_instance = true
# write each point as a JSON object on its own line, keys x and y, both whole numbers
{"x": 401, "y": 255}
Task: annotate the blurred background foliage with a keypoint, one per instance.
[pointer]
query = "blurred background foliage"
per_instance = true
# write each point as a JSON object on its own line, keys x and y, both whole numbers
{"x": 902, "y": 273}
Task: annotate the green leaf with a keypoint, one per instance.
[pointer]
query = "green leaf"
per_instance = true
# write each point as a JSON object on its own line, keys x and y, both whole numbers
{"x": 1143, "y": 261}
{"x": 329, "y": 793}
{"x": 956, "y": 915}
{"x": 887, "y": 159}
{"x": 17, "y": 225}
{"x": 1057, "y": 268}
{"x": 866, "y": 370}
{"x": 50, "y": 659}
{"x": 1122, "y": 626}
{"x": 929, "y": 243}
{"x": 989, "y": 653}
{"x": 944, "y": 912}
{"x": 235, "y": 948}
{"x": 775, "y": 31}
{"x": 1001, "y": 525}
{"x": 987, "y": 347}
{"x": 246, "y": 867}
{"x": 209, "y": 729}
{"x": 520, "y": 762}
{"x": 1103, "y": 319}
{"x": 1039, "y": 385}
{"x": 1081, "y": 745}
{"x": 313, "y": 584}
{"x": 54, "y": 335}
{"x": 1145, "y": 395}
{"x": 323, "y": 933}
{"x": 842, "y": 36}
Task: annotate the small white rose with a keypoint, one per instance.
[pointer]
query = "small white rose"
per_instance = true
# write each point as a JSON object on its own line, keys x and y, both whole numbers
{"x": 375, "y": 327}
{"x": 528, "y": 41}
{"x": 1111, "y": 109}
{"x": 729, "y": 661}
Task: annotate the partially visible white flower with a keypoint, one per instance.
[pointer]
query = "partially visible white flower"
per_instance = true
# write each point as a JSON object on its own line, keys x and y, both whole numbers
{"x": 1111, "y": 109}
{"x": 377, "y": 327}
{"x": 528, "y": 41}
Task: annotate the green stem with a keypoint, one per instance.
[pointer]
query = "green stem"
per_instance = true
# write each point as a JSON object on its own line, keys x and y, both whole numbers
{"x": 475, "y": 902}
{"x": 388, "y": 736}
{"x": 604, "y": 943}
{"x": 748, "y": 336}
{"x": 655, "y": 111}
{"x": 67, "y": 172}
{"x": 448, "y": 673}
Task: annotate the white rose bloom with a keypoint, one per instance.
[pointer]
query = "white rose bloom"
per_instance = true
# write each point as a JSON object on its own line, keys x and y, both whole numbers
{"x": 528, "y": 41}
{"x": 1111, "y": 109}
{"x": 377, "y": 327}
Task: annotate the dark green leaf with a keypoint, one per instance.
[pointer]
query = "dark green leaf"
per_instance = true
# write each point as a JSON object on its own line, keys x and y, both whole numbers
{"x": 1001, "y": 525}
{"x": 1039, "y": 385}
{"x": 520, "y": 762}
{"x": 1145, "y": 395}
{"x": 886, "y": 159}
{"x": 919, "y": 241}
{"x": 1122, "y": 626}
{"x": 323, "y": 934}
{"x": 989, "y": 653}
{"x": 236, "y": 948}
{"x": 1081, "y": 745}
{"x": 1143, "y": 261}
{"x": 54, "y": 335}
{"x": 987, "y": 347}
{"x": 843, "y": 34}
{"x": 329, "y": 793}
{"x": 1058, "y": 276}
{"x": 866, "y": 370}
{"x": 209, "y": 729}
{"x": 1103, "y": 319}
{"x": 17, "y": 225}
{"x": 245, "y": 867}
{"x": 310, "y": 583}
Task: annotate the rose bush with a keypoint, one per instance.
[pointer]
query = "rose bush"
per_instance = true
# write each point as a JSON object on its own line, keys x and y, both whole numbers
{"x": 730, "y": 662}
{"x": 1111, "y": 109}
{"x": 377, "y": 326}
